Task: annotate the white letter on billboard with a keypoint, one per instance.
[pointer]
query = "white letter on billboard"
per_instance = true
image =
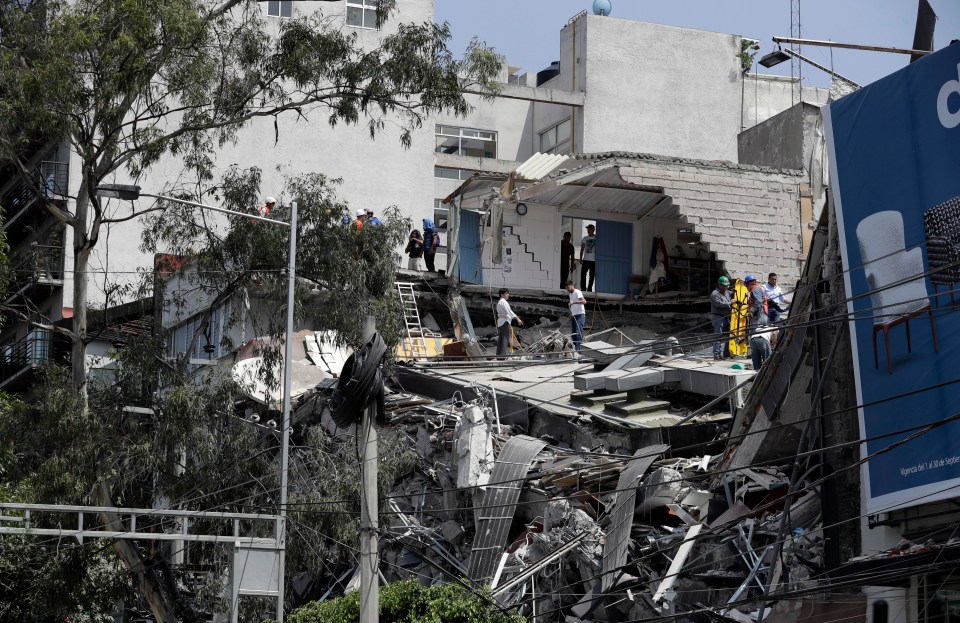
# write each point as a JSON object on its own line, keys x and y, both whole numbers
{"x": 948, "y": 119}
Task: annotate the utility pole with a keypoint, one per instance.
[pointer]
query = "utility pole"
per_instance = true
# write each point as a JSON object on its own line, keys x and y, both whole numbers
{"x": 796, "y": 69}
{"x": 285, "y": 421}
{"x": 369, "y": 512}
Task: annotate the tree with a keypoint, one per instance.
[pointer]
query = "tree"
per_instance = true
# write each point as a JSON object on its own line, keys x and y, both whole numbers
{"x": 126, "y": 83}
{"x": 410, "y": 602}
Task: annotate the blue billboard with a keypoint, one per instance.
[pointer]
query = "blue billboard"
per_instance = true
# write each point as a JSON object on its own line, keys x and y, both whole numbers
{"x": 895, "y": 169}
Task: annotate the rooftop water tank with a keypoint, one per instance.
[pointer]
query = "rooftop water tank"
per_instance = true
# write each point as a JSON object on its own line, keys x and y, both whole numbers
{"x": 550, "y": 72}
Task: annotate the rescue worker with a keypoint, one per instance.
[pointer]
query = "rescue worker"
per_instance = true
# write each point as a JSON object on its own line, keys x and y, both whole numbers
{"x": 361, "y": 216}
{"x": 762, "y": 338}
{"x": 372, "y": 219}
{"x": 720, "y": 316}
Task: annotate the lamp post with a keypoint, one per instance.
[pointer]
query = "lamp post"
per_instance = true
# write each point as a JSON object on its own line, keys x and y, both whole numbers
{"x": 131, "y": 192}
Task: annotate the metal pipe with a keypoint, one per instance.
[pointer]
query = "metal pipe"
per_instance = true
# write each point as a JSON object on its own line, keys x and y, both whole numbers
{"x": 254, "y": 217}
{"x": 850, "y": 46}
{"x": 790, "y": 52}
{"x": 285, "y": 419}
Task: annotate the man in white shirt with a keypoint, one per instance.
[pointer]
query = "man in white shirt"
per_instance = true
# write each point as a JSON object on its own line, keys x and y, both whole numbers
{"x": 588, "y": 259}
{"x": 776, "y": 302}
{"x": 578, "y": 315}
{"x": 505, "y": 316}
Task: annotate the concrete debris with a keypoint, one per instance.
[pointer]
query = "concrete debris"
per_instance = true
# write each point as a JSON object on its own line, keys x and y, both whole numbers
{"x": 474, "y": 447}
{"x": 582, "y": 515}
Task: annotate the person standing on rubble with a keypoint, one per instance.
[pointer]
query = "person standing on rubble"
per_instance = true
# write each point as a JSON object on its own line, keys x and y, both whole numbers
{"x": 431, "y": 240}
{"x": 505, "y": 317}
{"x": 776, "y": 302}
{"x": 414, "y": 250}
{"x": 567, "y": 262}
{"x": 578, "y": 315}
{"x": 762, "y": 338}
{"x": 588, "y": 259}
{"x": 720, "y": 316}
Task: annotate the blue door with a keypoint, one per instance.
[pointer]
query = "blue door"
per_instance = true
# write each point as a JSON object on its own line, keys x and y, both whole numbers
{"x": 468, "y": 248}
{"x": 614, "y": 256}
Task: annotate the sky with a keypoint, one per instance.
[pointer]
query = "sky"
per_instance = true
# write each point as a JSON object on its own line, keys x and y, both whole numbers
{"x": 528, "y": 31}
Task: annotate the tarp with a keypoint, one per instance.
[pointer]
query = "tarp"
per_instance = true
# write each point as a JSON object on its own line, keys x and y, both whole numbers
{"x": 895, "y": 163}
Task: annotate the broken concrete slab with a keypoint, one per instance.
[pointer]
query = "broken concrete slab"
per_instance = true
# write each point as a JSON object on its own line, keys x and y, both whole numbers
{"x": 628, "y": 407}
{"x": 597, "y": 380}
{"x": 473, "y": 445}
{"x": 604, "y": 352}
{"x": 642, "y": 378}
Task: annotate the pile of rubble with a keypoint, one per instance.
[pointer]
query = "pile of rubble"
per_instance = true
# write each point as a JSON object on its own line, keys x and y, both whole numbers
{"x": 565, "y": 534}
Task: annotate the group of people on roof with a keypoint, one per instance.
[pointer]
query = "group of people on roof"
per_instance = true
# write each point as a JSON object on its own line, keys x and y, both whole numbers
{"x": 763, "y": 308}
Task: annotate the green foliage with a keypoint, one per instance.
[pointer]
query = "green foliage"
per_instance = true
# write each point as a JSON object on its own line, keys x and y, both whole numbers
{"x": 325, "y": 515}
{"x": 354, "y": 269}
{"x": 42, "y": 579}
{"x": 409, "y": 602}
{"x": 747, "y": 54}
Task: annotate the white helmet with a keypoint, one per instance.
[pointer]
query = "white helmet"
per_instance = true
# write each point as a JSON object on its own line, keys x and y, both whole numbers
{"x": 269, "y": 200}
{"x": 361, "y": 212}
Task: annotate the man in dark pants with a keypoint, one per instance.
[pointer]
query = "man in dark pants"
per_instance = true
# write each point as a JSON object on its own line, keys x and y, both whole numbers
{"x": 431, "y": 240}
{"x": 720, "y": 316}
{"x": 588, "y": 259}
{"x": 505, "y": 317}
{"x": 567, "y": 263}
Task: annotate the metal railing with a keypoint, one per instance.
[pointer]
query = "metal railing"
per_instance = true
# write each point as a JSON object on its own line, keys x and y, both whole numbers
{"x": 33, "y": 350}
{"x": 41, "y": 263}
{"x": 51, "y": 179}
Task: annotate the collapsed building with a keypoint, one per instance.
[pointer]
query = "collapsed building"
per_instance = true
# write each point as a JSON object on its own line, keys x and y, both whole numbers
{"x": 646, "y": 484}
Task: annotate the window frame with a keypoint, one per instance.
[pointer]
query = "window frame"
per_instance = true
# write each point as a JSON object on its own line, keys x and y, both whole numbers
{"x": 280, "y": 5}
{"x": 363, "y": 6}
{"x": 568, "y": 142}
{"x": 461, "y": 134}
{"x": 182, "y": 334}
{"x": 441, "y": 221}
{"x": 462, "y": 174}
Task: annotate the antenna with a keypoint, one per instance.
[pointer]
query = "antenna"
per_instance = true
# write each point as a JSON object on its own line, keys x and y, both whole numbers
{"x": 796, "y": 71}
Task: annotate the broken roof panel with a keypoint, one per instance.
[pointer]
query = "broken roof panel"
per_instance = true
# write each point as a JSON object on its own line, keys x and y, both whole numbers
{"x": 495, "y": 515}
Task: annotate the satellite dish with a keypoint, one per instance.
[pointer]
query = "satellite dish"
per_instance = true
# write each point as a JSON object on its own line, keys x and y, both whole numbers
{"x": 602, "y": 7}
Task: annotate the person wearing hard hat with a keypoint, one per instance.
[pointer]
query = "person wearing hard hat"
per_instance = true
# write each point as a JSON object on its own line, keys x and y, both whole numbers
{"x": 265, "y": 209}
{"x": 361, "y": 216}
{"x": 372, "y": 219}
{"x": 761, "y": 333}
{"x": 720, "y": 316}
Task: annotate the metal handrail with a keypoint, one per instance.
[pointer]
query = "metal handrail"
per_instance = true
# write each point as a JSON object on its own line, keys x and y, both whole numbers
{"x": 50, "y": 178}
{"x": 33, "y": 350}
{"x": 41, "y": 260}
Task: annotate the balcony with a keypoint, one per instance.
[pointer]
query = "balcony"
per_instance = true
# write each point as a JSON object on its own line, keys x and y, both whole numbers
{"x": 19, "y": 359}
{"x": 52, "y": 180}
{"x": 37, "y": 271}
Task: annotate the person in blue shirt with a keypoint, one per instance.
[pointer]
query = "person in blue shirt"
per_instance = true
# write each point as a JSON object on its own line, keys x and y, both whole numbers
{"x": 431, "y": 240}
{"x": 372, "y": 219}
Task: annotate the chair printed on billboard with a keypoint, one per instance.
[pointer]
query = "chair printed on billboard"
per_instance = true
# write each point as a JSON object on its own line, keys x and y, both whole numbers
{"x": 941, "y": 224}
{"x": 895, "y": 279}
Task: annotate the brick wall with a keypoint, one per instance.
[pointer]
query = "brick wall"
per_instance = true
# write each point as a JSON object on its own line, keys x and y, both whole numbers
{"x": 750, "y": 216}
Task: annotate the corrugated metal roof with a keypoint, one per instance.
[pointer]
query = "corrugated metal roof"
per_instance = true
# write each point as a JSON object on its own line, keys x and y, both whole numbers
{"x": 603, "y": 191}
{"x": 499, "y": 505}
{"x": 539, "y": 165}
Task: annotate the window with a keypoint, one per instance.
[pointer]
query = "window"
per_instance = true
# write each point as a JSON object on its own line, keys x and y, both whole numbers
{"x": 448, "y": 173}
{"x": 556, "y": 140}
{"x": 280, "y": 8}
{"x": 466, "y": 142}
{"x": 362, "y": 13}
{"x": 441, "y": 218}
{"x": 213, "y": 334}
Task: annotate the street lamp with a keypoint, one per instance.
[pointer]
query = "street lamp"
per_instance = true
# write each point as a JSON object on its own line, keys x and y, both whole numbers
{"x": 131, "y": 193}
